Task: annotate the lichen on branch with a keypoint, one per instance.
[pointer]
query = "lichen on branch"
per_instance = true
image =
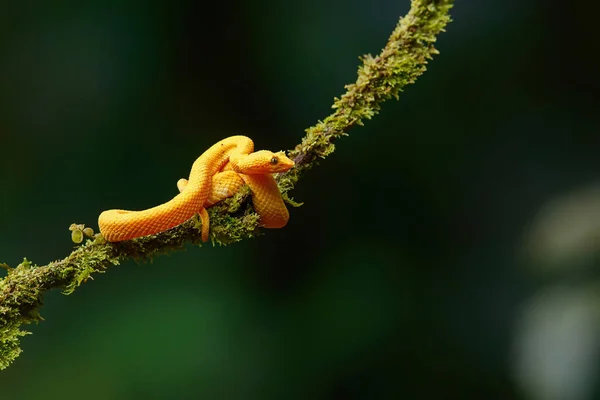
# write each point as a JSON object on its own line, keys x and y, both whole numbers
{"x": 380, "y": 78}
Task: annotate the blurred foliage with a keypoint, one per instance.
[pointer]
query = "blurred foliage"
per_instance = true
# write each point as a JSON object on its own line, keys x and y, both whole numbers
{"x": 410, "y": 290}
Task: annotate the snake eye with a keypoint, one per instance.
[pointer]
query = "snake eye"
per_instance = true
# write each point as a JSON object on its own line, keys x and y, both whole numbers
{"x": 274, "y": 160}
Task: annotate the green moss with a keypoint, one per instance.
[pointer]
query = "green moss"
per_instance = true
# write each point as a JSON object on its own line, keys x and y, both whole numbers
{"x": 92, "y": 258}
{"x": 230, "y": 229}
{"x": 9, "y": 343}
{"x": 19, "y": 304}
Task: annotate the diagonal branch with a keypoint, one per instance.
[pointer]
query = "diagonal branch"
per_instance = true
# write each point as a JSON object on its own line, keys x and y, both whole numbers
{"x": 380, "y": 78}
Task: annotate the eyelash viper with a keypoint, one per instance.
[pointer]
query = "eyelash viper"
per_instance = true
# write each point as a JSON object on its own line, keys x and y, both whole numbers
{"x": 217, "y": 174}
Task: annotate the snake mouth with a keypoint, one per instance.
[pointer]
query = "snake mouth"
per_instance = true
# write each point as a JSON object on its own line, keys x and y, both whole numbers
{"x": 263, "y": 162}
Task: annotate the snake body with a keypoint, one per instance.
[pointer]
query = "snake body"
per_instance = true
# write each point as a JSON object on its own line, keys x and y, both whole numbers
{"x": 217, "y": 174}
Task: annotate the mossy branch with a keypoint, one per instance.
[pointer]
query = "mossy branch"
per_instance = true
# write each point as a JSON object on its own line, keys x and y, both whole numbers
{"x": 380, "y": 78}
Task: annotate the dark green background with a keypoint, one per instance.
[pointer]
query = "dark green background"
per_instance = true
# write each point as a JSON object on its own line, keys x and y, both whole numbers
{"x": 400, "y": 277}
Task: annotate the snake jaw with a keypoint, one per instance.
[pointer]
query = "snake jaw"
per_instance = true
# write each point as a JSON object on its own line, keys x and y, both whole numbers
{"x": 284, "y": 162}
{"x": 262, "y": 162}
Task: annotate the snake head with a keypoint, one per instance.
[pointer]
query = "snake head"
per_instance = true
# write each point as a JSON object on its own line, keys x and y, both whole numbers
{"x": 279, "y": 162}
{"x": 263, "y": 162}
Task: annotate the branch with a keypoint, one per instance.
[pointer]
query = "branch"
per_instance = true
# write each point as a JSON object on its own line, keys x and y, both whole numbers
{"x": 380, "y": 78}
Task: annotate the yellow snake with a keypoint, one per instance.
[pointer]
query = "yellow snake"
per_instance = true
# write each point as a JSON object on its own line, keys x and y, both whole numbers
{"x": 217, "y": 174}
